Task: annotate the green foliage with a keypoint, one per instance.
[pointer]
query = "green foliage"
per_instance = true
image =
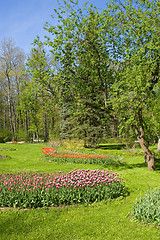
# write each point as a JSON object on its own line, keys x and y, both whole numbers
{"x": 88, "y": 121}
{"x": 147, "y": 208}
{"x": 22, "y": 135}
{"x": 137, "y": 77}
{"x": 5, "y": 135}
{"x": 65, "y": 124}
{"x": 109, "y": 69}
{"x": 80, "y": 46}
{"x": 37, "y": 108}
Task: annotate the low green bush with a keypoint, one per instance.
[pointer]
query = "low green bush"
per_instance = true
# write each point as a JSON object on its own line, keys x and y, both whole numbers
{"x": 5, "y": 136}
{"x": 22, "y": 135}
{"x": 147, "y": 209}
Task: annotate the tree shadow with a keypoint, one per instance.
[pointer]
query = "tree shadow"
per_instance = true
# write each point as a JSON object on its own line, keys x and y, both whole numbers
{"x": 117, "y": 164}
{"x": 118, "y": 146}
{"x": 134, "y": 165}
{"x": 125, "y": 165}
{"x": 157, "y": 164}
{"x": 14, "y": 223}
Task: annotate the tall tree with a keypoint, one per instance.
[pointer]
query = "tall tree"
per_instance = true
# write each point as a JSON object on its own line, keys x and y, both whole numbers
{"x": 81, "y": 46}
{"x": 135, "y": 27}
{"x": 41, "y": 70}
{"x": 110, "y": 58}
{"x": 11, "y": 72}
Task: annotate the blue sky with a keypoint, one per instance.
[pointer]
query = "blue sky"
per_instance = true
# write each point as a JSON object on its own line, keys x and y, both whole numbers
{"x": 23, "y": 20}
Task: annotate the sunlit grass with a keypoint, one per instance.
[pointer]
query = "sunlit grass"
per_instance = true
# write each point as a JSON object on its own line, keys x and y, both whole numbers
{"x": 103, "y": 220}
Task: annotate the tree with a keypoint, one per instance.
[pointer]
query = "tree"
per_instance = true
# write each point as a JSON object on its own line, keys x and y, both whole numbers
{"x": 43, "y": 89}
{"x": 110, "y": 59}
{"x": 81, "y": 47}
{"x": 135, "y": 27}
{"x": 11, "y": 74}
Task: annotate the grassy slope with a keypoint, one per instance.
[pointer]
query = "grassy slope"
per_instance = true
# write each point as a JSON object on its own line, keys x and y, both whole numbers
{"x": 97, "y": 221}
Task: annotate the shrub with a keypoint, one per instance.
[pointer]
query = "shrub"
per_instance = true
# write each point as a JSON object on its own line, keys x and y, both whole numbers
{"x": 5, "y": 135}
{"x": 54, "y": 143}
{"x": 22, "y": 135}
{"x": 78, "y": 186}
{"x": 147, "y": 209}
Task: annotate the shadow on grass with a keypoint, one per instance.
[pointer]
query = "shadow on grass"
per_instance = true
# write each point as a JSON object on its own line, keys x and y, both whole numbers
{"x": 125, "y": 166}
{"x": 112, "y": 146}
{"x": 15, "y": 226}
{"x": 134, "y": 165}
{"x": 157, "y": 164}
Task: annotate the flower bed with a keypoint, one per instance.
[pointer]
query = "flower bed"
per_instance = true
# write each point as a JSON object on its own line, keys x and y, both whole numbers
{"x": 51, "y": 154}
{"x": 78, "y": 186}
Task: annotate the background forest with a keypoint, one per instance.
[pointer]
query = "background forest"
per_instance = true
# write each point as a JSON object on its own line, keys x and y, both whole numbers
{"x": 95, "y": 77}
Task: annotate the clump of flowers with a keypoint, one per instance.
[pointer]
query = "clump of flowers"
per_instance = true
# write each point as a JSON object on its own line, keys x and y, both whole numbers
{"x": 78, "y": 186}
{"x": 74, "y": 144}
{"x": 49, "y": 150}
{"x": 73, "y": 157}
{"x": 147, "y": 208}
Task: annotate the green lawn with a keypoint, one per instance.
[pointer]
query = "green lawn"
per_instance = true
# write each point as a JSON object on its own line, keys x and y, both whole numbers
{"x": 98, "y": 221}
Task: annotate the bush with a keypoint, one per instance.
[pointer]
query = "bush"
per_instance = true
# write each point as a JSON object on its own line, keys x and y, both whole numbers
{"x": 22, "y": 136}
{"x": 147, "y": 209}
{"x": 5, "y": 136}
{"x": 54, "y": 143}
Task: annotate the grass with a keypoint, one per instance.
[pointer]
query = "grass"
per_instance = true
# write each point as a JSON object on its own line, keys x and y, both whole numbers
{"x": 103, "y": 220}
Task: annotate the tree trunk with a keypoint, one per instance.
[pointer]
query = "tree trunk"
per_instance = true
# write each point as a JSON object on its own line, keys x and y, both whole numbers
{"x": 9, "y": 103}
{"x": 46, "y": 135}
{"x": 149, "y": 156}
{"x": 158, "y": 147}
{"x": 26, "y": 122}
{"x": 14, "y": 119}
{"x": 115, "y": 127}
